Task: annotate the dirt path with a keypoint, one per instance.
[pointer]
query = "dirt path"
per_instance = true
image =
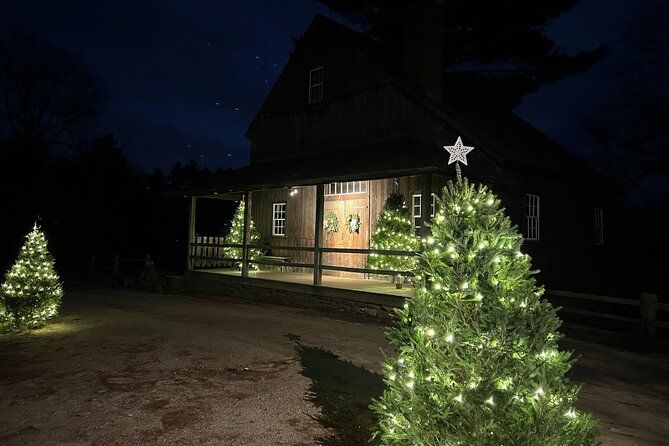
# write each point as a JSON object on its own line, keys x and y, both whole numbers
{"x": 121, "y": 368}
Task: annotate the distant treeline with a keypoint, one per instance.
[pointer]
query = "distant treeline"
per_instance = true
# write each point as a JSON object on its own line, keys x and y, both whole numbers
{"x": 92, "y": 202}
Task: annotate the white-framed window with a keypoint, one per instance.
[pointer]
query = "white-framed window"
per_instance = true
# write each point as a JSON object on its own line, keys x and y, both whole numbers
{"x": 346, "y": 187}
{"x": 532, "y": 205}
{"x": 316, "y": 85}
{"x": 416, "y": 200}
{"x": 279, "y": 219}
{"x": 598, "y": 228}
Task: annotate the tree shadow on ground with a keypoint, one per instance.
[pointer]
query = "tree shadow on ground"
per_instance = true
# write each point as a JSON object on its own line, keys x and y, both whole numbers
{"x": 343, "y": 391}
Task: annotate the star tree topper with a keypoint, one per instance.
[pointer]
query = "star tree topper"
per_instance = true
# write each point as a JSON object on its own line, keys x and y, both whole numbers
{"x": 458, "y": 152}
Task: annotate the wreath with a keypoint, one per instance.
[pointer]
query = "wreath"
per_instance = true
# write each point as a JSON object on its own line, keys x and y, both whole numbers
{"x": 353, "y": 222}
{"x": 331, "y": 223}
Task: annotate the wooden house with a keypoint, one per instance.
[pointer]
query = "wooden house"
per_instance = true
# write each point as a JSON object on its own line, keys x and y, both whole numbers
{"x": 344, "y": 125}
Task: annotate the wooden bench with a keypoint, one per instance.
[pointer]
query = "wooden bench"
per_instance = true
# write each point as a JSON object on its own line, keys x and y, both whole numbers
{"x": 278, "y": 259}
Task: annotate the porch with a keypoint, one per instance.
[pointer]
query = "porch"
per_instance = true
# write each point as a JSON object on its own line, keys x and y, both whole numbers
{"x": 295, "y": 228}
{"x": 293, "y": 245}
{"x": 344, "y": 283}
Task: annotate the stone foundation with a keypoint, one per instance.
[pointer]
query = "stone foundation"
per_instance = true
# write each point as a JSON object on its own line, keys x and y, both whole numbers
{"x": 357, "y": 303}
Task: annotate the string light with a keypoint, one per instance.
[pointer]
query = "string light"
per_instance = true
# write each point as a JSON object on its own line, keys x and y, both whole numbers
{"x": 489, "y": 263}
{"x": 31, "y": 293}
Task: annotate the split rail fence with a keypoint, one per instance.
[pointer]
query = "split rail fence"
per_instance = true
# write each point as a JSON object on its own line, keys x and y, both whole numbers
{"x": 614, "y": 313}
{"x": 130, "y": 272}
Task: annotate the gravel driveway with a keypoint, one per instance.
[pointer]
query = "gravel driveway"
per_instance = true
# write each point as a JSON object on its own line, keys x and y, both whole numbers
{"x": 125, "y": 368}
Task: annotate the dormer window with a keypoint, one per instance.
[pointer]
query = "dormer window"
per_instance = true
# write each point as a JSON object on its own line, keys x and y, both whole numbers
{"x": 316, "y": 85}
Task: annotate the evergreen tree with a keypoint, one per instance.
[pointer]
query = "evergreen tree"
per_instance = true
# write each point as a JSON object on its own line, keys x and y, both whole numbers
{"x": 5, "y": 321}
{"x": 477, "y": 359}
{"x": 477, "y": 38}
{"x": 394, "y": 232}
{"x": 32, "y": 292}
{"x": 236, "y": 236}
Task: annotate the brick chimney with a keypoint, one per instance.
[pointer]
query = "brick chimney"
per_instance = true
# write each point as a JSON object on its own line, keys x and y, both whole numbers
{"x": 422, "y": 46}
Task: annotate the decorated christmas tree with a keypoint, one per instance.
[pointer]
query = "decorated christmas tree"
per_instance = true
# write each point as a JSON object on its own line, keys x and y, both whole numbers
{"x": 32, "y": 292}
{"x": 236, "y": 237}
{"x": 394, "y": 232}
{"x": 477, "y": 360}
{"x": 5, "y": 321}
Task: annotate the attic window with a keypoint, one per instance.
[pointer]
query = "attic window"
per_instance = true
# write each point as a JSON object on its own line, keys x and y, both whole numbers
{"x": 532, "y": 215}
{"x": 316, "y": 85}
{"x": 598, "y": 232}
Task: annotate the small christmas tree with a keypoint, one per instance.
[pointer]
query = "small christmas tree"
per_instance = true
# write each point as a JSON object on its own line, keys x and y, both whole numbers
{"x": 394, "y": 232}
{"x": 477, "y": 359}
{"x": 236, "y": 237}
{"x": 32, "y": 292}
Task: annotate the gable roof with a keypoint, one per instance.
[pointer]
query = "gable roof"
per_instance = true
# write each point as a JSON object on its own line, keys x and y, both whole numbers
{"x": 365, "y": 47}
{"x": 512, "y": 142}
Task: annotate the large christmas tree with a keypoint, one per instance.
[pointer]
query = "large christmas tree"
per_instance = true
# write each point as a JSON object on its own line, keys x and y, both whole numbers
{"x": 236, "y": 237}
{"x": 32, "y": 292}
{"x": 477, "y": 359}
{"x": 394, "y": 232}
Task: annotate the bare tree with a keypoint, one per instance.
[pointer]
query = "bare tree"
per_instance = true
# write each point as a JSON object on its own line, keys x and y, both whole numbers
{"x": 46, "y": 94}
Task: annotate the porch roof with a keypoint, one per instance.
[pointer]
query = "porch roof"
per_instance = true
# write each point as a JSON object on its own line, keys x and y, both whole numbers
{"x": 385, "y": 159}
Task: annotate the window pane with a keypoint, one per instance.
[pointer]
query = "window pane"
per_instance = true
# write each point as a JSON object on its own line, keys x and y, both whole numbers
{"x": 346, "y": 187}
{"x": 598, "y": 229}
{"x": 278, "y": 218}
{"x": 432, "y": 205}
{"x": 532, "y": 204}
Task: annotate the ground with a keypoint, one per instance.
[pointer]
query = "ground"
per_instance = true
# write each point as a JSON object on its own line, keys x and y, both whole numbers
{"x": 121, "y": 368}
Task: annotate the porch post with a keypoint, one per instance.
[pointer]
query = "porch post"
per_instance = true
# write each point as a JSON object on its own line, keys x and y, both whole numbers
{"x": 247, "y": 234}
{"x": 425, "y": 204}
{"x": 191, "y": 233}
{"x": 318, "y": 234}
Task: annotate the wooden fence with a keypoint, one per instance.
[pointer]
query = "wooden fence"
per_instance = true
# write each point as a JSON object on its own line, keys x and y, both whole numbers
{"x": 127, "y": 271}
{"x": 591, "y": 310}
{"x": 613, "y": 313}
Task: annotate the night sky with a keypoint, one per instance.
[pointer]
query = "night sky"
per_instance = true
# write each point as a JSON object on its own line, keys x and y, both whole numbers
{"x": 183, "y": 79}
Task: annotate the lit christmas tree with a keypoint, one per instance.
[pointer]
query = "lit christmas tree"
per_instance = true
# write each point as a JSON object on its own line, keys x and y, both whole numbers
{"x": 32, "y": 292}
{"x": 5, "y": 321}
{"x": 236, "y": 236}
{"x": 394, "y": 232}
{"x": 477, "y": 359}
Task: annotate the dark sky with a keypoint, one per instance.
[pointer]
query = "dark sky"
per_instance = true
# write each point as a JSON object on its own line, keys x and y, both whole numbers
{"x": 183, "y": 78}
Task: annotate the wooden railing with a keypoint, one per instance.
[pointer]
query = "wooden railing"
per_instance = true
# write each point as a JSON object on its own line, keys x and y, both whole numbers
{"x": 640, "y": 313}
{"x": 207, "y": 254}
